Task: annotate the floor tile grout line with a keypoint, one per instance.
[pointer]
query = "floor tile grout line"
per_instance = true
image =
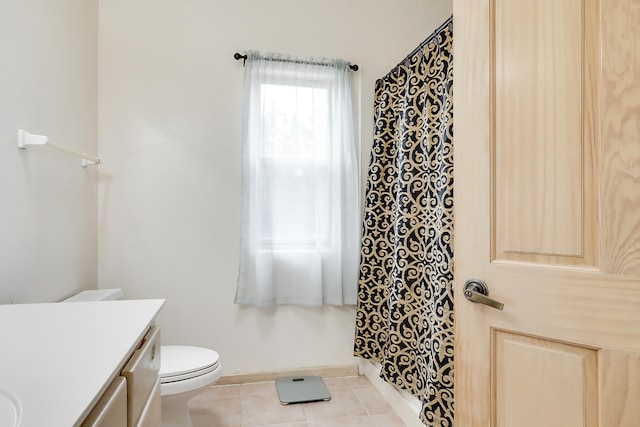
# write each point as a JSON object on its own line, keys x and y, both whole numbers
{"x": 362, "y": 404}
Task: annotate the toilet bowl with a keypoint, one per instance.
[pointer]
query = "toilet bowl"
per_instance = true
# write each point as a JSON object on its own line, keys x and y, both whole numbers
{"x": 184, "y": 370}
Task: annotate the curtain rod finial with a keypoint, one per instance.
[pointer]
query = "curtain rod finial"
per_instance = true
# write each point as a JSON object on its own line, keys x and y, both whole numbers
{"x": 238, "y": 57}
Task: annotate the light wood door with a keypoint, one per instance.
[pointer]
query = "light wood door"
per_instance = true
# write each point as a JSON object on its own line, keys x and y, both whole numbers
{"x": 547, "y": 210}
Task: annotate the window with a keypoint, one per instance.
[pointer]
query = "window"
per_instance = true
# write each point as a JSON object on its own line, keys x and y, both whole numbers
{"x": 295, "y": 151}
{"x": 300, "y": 223}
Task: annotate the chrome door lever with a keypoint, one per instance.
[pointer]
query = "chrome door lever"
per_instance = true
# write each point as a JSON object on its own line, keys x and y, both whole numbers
{"x": 477, "y": 291}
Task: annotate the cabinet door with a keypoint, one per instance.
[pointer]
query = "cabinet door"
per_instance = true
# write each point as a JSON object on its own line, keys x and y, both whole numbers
{"x": 111, "y": 409}
{"x": 142, "y": 374}
{"x": 152, "y": 412}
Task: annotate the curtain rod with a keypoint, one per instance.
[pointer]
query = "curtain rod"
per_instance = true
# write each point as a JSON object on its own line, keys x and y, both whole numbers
{"x": 238, "y": 57}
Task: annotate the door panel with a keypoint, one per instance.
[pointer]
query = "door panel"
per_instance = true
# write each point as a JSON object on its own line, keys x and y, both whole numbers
{"x": 541, "y": 95}
{"x": 539, "y": 381}
{"x": 547, "y": 187}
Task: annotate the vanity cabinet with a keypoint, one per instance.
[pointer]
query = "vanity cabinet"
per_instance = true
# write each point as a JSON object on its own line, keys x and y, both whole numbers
{"x": 133, "y": 398}
{"x": 68, "y": 363}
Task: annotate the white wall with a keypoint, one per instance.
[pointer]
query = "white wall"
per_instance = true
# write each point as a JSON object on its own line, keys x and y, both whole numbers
{"x": 48, "y": 201}
{"x": 170, "y": 129}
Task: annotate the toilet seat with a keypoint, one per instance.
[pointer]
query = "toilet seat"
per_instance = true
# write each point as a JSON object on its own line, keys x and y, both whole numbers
{"x": 185, "y": 368}
{"x": 181, "y": 362}
{"x": 187, "y": 375}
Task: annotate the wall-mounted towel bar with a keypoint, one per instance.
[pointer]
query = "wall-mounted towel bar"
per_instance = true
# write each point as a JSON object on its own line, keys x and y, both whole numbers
{"x": 25, "y": 139}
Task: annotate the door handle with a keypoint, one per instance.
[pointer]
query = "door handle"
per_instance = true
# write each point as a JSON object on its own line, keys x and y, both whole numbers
{"x": 477, "y": 291}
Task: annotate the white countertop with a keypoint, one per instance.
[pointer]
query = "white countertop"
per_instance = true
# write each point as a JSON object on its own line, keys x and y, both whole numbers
{"x": 58, "y": 358}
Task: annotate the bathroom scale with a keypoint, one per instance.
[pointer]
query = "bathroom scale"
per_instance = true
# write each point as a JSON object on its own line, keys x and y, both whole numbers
{"x": 301, "y": 389}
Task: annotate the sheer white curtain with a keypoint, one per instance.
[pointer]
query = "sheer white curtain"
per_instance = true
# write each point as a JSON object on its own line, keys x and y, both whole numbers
{"x": 300, "y": 204}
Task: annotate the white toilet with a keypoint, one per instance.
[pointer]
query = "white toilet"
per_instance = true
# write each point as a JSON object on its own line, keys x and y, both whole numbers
{"x": 184, "y": 371}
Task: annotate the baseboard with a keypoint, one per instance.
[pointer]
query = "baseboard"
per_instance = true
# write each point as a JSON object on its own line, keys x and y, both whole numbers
{"x": 407, "y": 407}
{"x": 258, "y": 377}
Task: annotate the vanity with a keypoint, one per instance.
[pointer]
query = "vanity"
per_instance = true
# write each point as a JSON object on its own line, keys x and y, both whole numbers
{"x": 82, "y": 364}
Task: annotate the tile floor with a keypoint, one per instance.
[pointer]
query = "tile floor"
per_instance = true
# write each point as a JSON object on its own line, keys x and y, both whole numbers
{"x": 354, "y": 403}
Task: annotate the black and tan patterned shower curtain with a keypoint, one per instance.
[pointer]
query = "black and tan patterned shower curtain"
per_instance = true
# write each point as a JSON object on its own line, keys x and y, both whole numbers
{"x": 405, "y": 296}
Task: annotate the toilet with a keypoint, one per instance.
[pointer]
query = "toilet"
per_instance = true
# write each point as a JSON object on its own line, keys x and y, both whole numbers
{"x": 184, "y": 370}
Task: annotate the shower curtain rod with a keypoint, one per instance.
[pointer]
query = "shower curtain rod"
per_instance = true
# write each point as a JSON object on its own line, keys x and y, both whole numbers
{"x": 238, "y": 57}
{"x": 424, "y": 43}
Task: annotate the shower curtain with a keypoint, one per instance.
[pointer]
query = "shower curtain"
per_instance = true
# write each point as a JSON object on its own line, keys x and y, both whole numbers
{"x": 404, "y": 316}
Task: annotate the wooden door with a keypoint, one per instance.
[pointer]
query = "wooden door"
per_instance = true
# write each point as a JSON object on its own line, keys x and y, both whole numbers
{"x": 547, "y": 210}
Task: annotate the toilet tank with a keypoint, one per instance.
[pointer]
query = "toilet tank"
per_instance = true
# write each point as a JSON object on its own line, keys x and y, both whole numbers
{"x": 97, "y": 295}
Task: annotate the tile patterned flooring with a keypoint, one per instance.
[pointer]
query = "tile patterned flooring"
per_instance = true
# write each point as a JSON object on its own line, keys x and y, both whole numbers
{"x": 354, "y": 403}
